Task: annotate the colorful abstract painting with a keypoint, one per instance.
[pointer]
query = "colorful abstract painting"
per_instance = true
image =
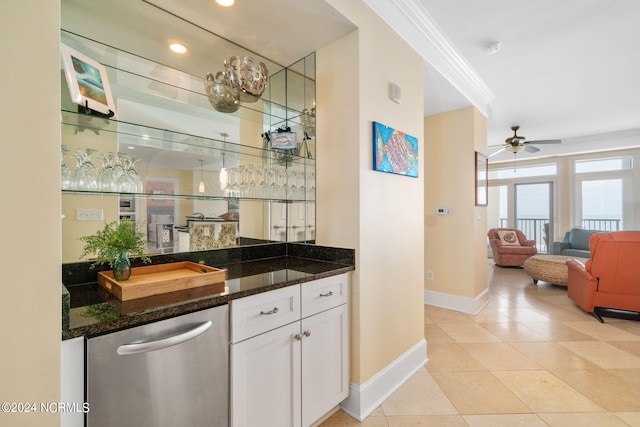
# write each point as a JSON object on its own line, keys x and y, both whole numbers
{"x": 394, "y": 151}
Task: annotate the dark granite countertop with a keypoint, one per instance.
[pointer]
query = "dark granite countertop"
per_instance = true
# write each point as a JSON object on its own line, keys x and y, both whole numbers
{"x": 94, "y": 311}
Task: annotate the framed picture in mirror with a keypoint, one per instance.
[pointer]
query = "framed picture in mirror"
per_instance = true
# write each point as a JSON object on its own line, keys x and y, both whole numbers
{"x": 87, "y": 81}
{"x": 482, "y": 179}
{"x": 284, "y": 140}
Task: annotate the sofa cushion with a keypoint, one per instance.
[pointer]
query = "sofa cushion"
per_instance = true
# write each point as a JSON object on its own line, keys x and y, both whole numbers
{"x": 574, "y": 252}
{"x": 508, "y": 238}
{"x": 579, "y": 238}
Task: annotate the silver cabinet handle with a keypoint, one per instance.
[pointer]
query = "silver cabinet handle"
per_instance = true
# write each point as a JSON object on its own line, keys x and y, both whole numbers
{"x": 298, "y": 337}
{"x": 328, "y": 294}
{"x": 307, "y": 333}
{"x": 144, "y": 347}
{"x": 274, "y": 311}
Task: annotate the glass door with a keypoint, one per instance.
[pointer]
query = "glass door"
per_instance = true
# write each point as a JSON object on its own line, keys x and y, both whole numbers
{"x": 534, "y": 212}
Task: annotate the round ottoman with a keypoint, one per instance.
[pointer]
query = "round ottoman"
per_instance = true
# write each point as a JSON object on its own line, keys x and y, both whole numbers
{"x": 549, "y": 268}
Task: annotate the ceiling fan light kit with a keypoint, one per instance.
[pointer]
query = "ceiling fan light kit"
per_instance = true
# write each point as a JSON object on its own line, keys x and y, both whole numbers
{"x": 515, "y": 148}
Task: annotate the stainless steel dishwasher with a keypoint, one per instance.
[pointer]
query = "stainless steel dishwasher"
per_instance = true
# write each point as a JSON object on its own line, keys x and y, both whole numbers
{"x": 173, "y": 372}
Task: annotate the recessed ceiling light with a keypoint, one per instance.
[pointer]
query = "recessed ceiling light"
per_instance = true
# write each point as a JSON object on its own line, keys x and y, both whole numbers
{"x": 177, "y": 48}
{"x": 225, "y": 3}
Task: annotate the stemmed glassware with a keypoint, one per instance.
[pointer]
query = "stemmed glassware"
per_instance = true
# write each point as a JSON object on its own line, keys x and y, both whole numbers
{"x": 292, "y": 192}
{"x": 269, "y": 181}
{"x": 135, "y": 176}
{"x": 302, "y": 190}
{"x": 66, "y": 175}
{"x": 106, "y": 178}
{"x": 311, "y": 192}
{"x": 117, "y": 175}
{"x": 85, "y": 176}
{"x": 127, "y": 182}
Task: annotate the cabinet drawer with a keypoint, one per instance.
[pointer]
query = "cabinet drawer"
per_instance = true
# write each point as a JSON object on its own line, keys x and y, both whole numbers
{"x": 323, "y": 294}
{"x": 260, "y": 313}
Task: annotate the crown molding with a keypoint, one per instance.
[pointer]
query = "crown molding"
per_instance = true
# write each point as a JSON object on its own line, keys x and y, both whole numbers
{"x": 411, "y": 21}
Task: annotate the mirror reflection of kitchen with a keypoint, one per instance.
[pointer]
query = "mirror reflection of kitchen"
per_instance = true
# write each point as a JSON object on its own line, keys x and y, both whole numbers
{"x": 165, "y": 120}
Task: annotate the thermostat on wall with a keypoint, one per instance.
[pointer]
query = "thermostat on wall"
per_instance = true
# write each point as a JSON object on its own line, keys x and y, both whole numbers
{"x": 442, "y": 210}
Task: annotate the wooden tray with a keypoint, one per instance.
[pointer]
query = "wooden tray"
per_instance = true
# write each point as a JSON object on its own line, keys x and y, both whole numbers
{"x": 162, "y": 278}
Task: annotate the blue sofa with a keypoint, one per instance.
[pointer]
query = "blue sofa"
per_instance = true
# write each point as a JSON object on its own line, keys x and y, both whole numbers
{"x": 575, "y": 243}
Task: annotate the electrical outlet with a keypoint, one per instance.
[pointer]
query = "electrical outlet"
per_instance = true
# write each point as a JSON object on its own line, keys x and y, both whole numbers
{"x": 431, "y": 275}
{"x": 89, "y": 215}
{"x": 207, "y": 231}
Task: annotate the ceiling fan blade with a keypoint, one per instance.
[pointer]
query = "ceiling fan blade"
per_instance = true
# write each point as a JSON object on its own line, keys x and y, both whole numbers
{"x": 531, "y": 149}
{"x": 545, "y": 141}
{"x": 497, "y": 152}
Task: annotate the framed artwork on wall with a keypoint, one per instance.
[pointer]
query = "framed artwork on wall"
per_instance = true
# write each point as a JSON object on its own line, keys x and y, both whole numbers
{"x": 87, "y": 81}
{"x": 284, "y": 140}
{"x": 482, "y": 179}
{"x": 394, "y": 151}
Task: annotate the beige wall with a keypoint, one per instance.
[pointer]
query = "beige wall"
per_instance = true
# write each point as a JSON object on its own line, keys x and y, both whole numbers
{"x": 378, "y": 214}
{"x": 30, "y": 214}
{"x": 455, "y": 245}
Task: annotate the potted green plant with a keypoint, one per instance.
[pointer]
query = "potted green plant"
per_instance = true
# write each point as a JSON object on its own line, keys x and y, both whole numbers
{"x": 114, "y": 243}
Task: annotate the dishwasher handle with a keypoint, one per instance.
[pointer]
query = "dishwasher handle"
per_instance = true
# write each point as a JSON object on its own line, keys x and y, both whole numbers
{"x": 144, "y": 347}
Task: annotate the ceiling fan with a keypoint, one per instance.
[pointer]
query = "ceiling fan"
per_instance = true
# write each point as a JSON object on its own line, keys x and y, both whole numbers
{"x": 517, "y": 143}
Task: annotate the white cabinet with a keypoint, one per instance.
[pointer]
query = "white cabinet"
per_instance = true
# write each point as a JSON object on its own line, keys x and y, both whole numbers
{"x": 265, "y": 379}
{"x": 325, "y": 363}
{"x": 291, "y": 371}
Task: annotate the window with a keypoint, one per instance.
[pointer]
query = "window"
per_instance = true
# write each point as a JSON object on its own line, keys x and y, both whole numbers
{"x": 604, "y": 195}
{"x": 603, "y": 165}
{"x": 602, "y": 204}
{"x": 523, "y": 172}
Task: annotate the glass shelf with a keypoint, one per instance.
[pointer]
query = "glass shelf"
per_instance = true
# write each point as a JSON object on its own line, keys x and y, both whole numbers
{"x": 168, "y": 197}
{"x": 164, "y": 118}
{"x": 139, "y": 79}
{"x": 137, "y": 135}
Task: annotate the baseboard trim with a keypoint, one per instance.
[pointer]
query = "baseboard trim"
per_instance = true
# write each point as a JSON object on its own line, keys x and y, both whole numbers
{"x": 456, "y": 302}
{"x": 365, "y": 398}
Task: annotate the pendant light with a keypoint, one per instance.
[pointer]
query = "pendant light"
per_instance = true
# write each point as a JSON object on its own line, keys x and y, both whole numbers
{"x": 224, "y": 177}
{"x": 201, "y": 186}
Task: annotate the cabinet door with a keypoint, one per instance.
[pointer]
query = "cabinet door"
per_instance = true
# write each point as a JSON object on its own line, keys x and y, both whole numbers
{"x": 72, "y": 380}
{"x": 325, "y": 362}
{"x": 265, "y": 379}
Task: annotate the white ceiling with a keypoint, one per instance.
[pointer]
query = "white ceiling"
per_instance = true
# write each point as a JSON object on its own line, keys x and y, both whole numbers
{"x": 282, "y": 30}
{"x": 565, "y": 69}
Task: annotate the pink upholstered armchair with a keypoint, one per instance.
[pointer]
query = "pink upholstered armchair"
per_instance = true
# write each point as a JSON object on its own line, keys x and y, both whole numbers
{"x": 508, "y": 252}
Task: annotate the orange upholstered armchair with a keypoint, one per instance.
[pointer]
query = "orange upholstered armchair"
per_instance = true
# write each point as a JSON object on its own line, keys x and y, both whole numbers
{"x": 610, "y": 278}
{"x": 510, "y": 246}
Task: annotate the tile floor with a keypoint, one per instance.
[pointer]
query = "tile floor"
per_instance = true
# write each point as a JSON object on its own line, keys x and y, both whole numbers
{"x": 531, "y": 357}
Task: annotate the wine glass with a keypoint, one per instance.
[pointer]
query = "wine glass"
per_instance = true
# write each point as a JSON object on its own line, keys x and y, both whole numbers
{"x": 126, "y": 183}
{"x": 66, "y": 175}
{"x": 136, "y": 180}
{"x": 302, "y": 191}
{"x": 86, "y": 175}
{"x": 106, "y": 180}
{"x": 312, "y": 186}
{"x": 291, "y": 181}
